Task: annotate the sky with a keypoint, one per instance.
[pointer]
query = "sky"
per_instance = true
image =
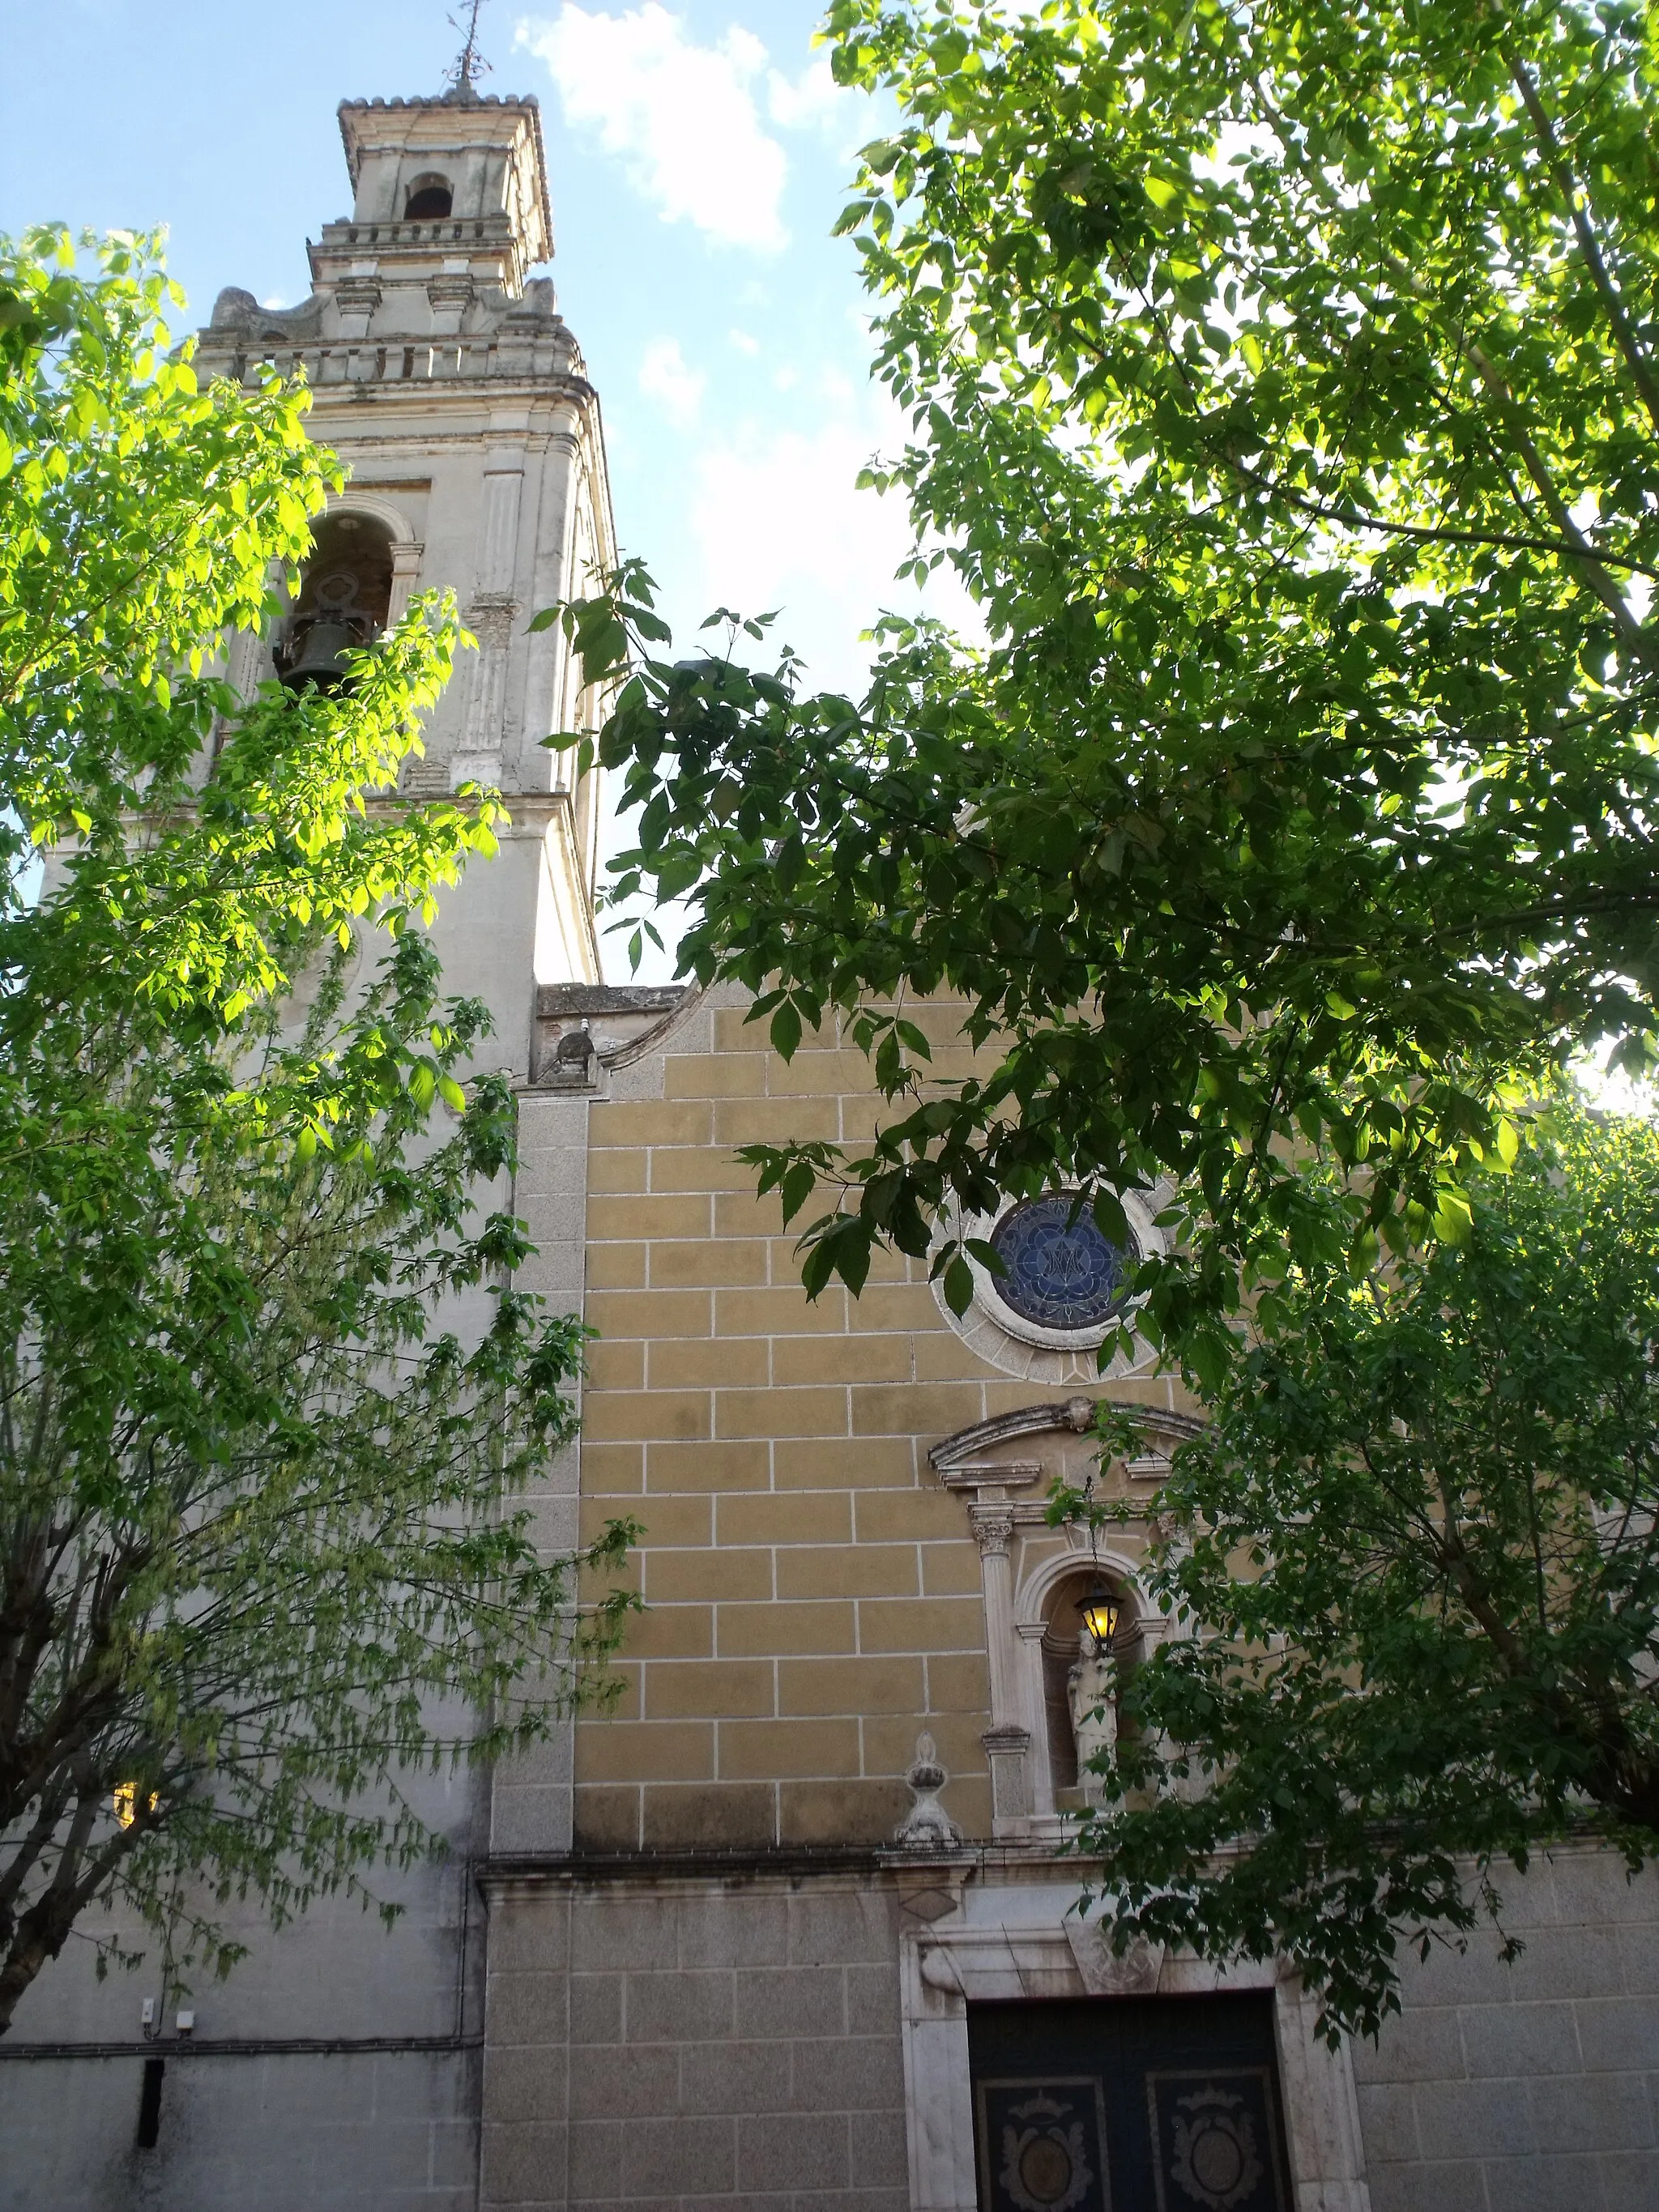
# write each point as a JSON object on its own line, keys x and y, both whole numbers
{"x": 699, "y": 154}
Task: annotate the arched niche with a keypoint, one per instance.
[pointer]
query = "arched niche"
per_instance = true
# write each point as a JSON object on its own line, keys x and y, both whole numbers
{"x": 1049, "y": 1629}
{"x": 361, "y": 499}
{"x": 429, "y": 198}
{"x": 1003, "y": 1468}
{"x": 343, "y": 601}
{"x": 353, "y": 586}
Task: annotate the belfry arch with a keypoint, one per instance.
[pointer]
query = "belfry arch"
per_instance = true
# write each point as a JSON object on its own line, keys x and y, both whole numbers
{"x": 343, "y": 604}
{"x": 430, "y": 196}
{"x": 352, "y": 588}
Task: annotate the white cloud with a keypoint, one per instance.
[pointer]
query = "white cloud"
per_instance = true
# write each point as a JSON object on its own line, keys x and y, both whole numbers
{"x": 836, "y": 386}
{"x": 777, "y": 521}
{"x": 275, "y": 301}
{"x": 666, "y": 375}
{"x": 772, "y": 520}
{"x": 811, "y": 102}
{"x": 743, "y": 342}
{"x": 682, "y": 116}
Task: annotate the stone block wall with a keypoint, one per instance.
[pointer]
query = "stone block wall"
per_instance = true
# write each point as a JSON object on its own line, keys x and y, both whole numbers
{"x": 814, "y": 1594}
{"x": 689, "y": 2042}
{"x": 1530, "y": 2088}
{"x": 668, "y": 2045}
{"x": 531, "y": 1796}
{"x": 369, "y": 2132}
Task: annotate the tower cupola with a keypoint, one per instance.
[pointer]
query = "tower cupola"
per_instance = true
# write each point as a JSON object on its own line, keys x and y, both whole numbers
{"x": 444, "y": 376}
{"x": 452, "y": 187}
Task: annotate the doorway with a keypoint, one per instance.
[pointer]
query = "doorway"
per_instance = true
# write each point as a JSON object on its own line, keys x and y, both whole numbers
{"x": 1128, "y": 2105}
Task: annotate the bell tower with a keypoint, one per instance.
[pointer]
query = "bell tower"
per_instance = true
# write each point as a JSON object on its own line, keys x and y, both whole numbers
{"x": 446, "y": 379}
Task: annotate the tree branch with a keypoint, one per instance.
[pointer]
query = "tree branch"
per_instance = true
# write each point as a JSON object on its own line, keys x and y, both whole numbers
{"x": 1628, "y": 343}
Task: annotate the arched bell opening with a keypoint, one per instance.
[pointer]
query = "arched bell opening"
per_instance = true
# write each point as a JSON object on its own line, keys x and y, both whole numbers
{"x": 1082, "y": 1672}
{"x": 342, "y": 604}
{"x": 430, "y": 196}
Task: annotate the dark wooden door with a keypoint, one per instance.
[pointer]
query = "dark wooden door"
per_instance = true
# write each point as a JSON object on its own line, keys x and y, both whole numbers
{"x": 1128, "y": 2105}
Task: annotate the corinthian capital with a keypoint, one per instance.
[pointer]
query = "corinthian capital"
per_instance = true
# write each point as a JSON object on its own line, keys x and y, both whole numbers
{"x": 993, "y": 1527}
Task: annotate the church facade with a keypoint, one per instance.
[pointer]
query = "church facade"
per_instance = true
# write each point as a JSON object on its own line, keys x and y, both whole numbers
{"x": 789, "y": 1926}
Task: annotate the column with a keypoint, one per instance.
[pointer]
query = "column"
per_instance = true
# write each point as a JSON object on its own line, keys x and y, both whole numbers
{"x": 1007, "y": 1741}
{"x": 405, "y": 568}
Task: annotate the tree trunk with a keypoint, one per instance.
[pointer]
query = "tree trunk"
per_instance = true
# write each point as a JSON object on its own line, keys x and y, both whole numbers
{"x": 41, "y": 1935}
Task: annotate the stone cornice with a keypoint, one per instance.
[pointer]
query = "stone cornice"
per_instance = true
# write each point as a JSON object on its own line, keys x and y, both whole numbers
{"x": 500, "y": 1876}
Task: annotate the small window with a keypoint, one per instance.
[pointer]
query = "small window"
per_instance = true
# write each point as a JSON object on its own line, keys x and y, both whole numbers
{"x": 429, "y": 196}
{"x": 149, "y": 2104}
{"x": 1057, "y": 1287}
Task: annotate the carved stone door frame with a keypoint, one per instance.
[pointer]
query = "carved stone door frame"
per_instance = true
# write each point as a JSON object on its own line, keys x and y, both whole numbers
{"x": 1010, "y": 1935}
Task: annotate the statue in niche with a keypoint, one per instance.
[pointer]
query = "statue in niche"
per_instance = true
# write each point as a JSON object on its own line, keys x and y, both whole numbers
{"x": 1092, "y": 1694}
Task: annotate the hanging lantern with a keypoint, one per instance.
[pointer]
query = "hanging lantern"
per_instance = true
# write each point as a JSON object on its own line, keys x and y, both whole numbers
{"x": 1100, "y": 1611}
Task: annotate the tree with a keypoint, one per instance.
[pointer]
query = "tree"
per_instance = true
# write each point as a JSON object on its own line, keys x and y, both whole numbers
{"x": 1411, "y": 1568}
{"x": 266, "y": 1391}
{"x": 1284, "y": 387}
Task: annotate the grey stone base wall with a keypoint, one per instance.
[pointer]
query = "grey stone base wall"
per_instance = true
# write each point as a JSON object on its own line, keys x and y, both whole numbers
{"x": 251, "y": 2128}
{"x": 699, "y": 2045}
{"x": 721, "y": 2043}
{"x": 1531, "y": 2087}
{"x": 362, "y": 2132}
{"x": 694, "y": 2046}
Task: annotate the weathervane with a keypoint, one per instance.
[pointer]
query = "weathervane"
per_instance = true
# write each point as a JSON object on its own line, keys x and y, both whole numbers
{"x": 470, "y": 63}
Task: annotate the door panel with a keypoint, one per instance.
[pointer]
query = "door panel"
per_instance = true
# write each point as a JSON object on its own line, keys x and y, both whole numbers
{"x": 1128, "y": 2105}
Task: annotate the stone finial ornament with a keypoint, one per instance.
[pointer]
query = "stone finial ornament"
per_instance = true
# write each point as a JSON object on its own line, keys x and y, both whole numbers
{"x": 927, "y": 1824}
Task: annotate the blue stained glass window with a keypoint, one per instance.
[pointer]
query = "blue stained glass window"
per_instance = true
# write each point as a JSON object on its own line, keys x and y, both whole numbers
{"x": 1062, "y": 1273}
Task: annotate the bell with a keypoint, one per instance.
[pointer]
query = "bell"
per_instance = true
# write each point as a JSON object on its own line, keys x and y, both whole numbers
{"x": 318, "y": 654}
{"x": 319, "y": 641}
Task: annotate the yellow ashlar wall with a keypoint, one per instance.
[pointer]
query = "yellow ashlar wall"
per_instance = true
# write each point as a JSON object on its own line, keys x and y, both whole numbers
{"x": 813, "y": 1592}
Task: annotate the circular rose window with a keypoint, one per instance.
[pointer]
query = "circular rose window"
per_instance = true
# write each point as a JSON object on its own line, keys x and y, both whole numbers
{"x": 1061, "y": 1288}
{"x": 1062, "y": 1273}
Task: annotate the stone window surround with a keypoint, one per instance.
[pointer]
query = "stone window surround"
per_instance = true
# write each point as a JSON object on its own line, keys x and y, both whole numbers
{"x": 1148, "y": 1239}
{"x": 987, "y": 1941}
{"x": 1008, "y": 1340}
{"x": 1016, "y": 1741}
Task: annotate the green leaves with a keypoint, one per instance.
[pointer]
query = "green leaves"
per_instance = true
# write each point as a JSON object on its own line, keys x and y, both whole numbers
{"x": 1286, "y": 415}
{"x": 1410, "y": 1569}
{"x": 958, "y": 1282}
{"x": 265, "y": 1399}
{"x": 165, "y": 503}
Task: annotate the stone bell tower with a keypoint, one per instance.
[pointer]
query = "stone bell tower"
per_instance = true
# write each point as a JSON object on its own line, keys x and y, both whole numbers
{"x": 448, "y": 381}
